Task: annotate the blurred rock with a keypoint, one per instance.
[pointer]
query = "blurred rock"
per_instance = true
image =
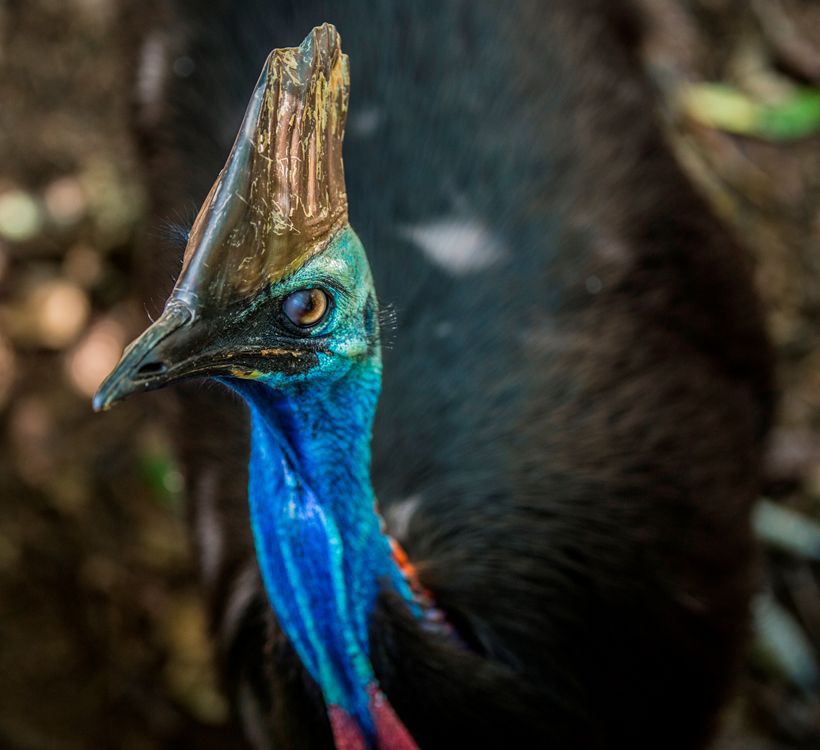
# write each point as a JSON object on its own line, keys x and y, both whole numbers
{"x": 50, "y": 313}
{"x": 83, "y": 265}
{"x": 20, "y": 216}
{"x": 65, "y": 201}
{"x": 95, "y": 356}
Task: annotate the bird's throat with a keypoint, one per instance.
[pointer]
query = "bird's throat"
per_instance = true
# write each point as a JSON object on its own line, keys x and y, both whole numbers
{"x": 319, "y": 540}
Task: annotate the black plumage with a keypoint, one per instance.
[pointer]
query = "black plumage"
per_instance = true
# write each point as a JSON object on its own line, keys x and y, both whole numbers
{"x": 576, "y": 386}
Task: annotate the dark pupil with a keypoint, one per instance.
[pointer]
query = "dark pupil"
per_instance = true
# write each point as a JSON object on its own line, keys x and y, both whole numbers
{"x": 305, "y": 307}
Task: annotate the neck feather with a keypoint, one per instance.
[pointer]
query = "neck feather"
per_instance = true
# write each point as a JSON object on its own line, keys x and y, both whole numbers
{"x": 319, "y": 540}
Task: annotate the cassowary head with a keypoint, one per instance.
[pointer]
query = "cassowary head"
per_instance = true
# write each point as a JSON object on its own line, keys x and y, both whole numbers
{"x": 275, "y": 284}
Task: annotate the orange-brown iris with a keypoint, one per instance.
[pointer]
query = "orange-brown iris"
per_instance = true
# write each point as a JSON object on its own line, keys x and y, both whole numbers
{"x": 306, "y": 307}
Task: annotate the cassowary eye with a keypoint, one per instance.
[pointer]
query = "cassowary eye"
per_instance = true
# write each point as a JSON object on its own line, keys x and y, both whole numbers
{"x": 306, "y": 307}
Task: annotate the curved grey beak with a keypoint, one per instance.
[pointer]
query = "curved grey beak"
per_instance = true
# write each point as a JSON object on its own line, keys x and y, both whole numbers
{"x": 142, "y": 367}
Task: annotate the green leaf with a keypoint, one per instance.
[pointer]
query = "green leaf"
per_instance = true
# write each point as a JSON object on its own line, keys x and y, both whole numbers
{"x": 724, "y": 107}
{"x": 796, "y": 117}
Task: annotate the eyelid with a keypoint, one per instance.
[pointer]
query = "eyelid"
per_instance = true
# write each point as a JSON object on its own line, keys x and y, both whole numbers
{"x": 332, "y": 289}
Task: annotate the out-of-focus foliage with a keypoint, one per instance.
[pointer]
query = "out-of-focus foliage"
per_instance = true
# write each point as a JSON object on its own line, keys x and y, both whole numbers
{"x": 739, "y": 80}
{"x": 793, "y": 115}
{"x": 103, "y": 636}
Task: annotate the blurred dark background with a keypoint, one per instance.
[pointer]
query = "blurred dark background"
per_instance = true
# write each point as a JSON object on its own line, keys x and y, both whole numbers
{"x": 102, "y": 635}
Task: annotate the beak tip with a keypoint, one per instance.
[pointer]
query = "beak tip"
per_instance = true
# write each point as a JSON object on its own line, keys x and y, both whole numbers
{"x": 105, "y": 397}
{"x": 116, "y": 387}
{"x": 98, "y": 403}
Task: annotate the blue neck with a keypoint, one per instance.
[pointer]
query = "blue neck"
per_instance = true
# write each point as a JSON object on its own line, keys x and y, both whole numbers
{"x": 319, "y": 542}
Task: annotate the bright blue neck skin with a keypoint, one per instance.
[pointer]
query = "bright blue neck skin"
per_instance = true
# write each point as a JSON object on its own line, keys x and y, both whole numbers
{"x": 319, "y": 542}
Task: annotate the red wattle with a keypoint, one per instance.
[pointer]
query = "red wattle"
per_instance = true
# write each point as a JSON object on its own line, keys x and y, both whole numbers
{"x": 346, "y": 732}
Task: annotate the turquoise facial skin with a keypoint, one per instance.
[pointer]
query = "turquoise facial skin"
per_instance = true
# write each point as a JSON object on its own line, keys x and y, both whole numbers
{"x": 319, "y": 542}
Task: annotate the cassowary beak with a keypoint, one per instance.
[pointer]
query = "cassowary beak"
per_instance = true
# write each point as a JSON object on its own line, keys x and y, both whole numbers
{"x": 175, "y": 347}
{"x": 161, "y": 355}
{"x": 145, "y": 363}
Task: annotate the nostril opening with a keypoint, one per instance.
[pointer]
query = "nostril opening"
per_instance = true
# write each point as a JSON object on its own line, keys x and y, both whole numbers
{"x": 151, "y": 368}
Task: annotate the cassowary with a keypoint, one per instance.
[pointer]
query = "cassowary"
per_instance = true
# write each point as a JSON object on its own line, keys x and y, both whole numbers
{"x": 538, "y": 534}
